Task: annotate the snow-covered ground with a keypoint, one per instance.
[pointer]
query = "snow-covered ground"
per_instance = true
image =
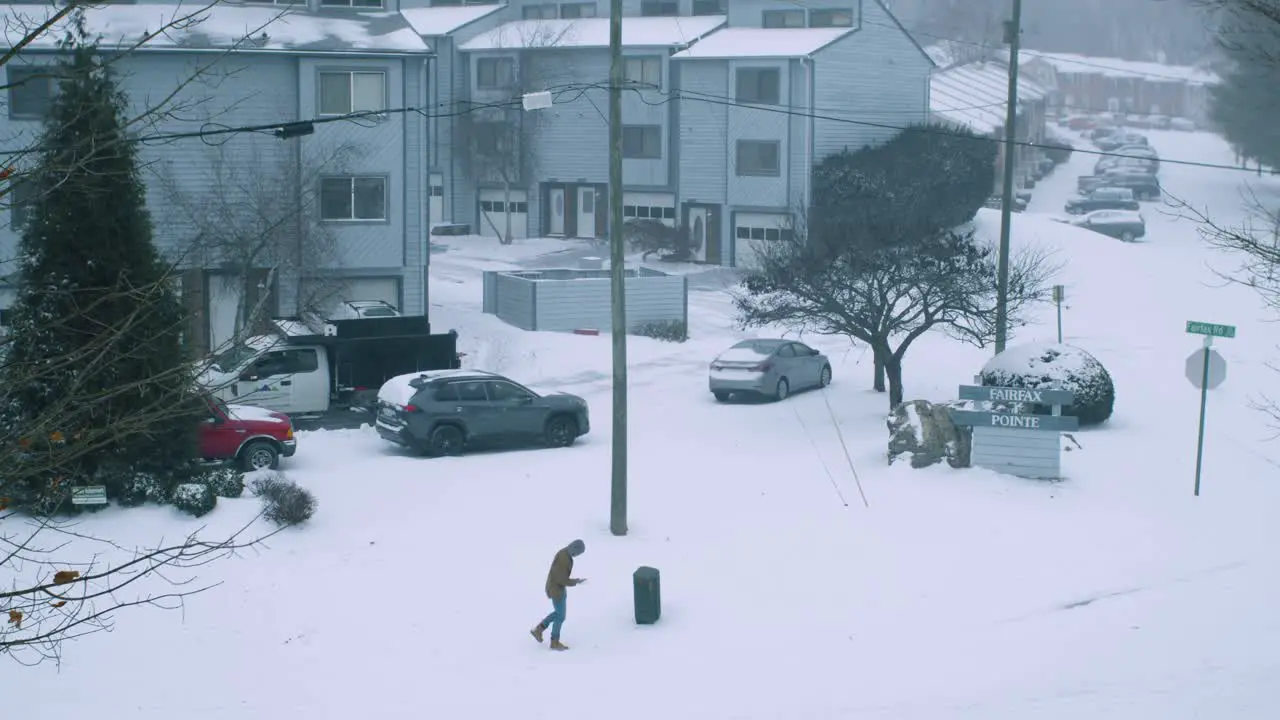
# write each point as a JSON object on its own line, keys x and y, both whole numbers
{"x": 1113, "y": 595}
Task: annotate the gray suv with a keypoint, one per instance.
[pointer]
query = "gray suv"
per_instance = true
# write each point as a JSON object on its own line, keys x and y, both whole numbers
{"x": 449, "y": 411}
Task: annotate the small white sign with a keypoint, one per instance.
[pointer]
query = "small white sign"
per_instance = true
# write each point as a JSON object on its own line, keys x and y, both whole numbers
{"x": 89, "y": 495}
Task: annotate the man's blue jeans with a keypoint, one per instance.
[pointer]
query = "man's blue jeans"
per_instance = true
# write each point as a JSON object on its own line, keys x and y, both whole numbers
{"x": 556, "y": 618}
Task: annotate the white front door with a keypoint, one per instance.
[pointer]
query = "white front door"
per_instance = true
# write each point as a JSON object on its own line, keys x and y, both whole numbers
{"x": 557, "y": 211}
{"x": 224, "y": 304}
{"x": 698, "y": 233}
{"x": 435, "y": 205}
{"x": 586, "y": 212}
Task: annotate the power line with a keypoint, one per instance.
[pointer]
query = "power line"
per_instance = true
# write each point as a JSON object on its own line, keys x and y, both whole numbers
{"x": 578, "y": 90}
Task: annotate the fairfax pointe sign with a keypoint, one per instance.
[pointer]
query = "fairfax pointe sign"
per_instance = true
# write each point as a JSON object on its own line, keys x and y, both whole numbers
{"x": 1013, "y": 441}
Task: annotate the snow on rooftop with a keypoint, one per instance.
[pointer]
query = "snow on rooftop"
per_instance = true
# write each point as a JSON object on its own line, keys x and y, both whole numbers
{"x": 741, "y": 42}
{"x": 434, "y": 21}
{"x": 1114, "y": 67}
{"x": 594, "y": 33}
{"x": 219, "y": 26}
{"x": 975, "y": 95}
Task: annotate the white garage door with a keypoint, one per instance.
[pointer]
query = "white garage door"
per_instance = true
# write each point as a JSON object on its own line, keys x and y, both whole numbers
{"x": 752, "y": 230}
{"x": 649, "y": 206}
{"x": 493, "y": 210}
{"x": 384, "y": 289}
{"x": 223, "y": 304}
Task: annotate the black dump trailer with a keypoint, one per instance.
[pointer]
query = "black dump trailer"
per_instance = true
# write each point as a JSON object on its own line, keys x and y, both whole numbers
{"x": 366, "y": 352}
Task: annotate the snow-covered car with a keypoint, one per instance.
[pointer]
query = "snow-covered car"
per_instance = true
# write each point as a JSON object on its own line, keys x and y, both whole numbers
{"x": 1123, "y": 225}
{"x": 356, "y": 309}
{"x": 1182, "y": 124}
{"x": 1104, "y": 198}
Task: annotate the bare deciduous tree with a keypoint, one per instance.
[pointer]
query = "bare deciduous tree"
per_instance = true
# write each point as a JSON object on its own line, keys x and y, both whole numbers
{"x": 498, "y": 138}
{"x": 256, "y": 212}
{"x": 886, "y": 297}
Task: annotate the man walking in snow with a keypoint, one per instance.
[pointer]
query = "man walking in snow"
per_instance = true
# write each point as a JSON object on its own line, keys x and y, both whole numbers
{"x": 558, "y": 583}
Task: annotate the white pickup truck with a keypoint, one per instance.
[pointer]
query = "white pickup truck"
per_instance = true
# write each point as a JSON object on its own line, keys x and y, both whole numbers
{"x": 307, "y": 369}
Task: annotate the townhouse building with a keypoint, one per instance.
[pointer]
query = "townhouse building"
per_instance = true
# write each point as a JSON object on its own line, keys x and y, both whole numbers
{"x": 728, "y": 107}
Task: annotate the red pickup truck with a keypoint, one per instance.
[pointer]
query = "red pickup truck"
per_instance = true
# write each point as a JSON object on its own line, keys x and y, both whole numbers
{"x": 255, "y": 438}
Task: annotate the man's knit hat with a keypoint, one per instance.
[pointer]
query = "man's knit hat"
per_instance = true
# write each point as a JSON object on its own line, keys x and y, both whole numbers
{"x": 576, "y": 548}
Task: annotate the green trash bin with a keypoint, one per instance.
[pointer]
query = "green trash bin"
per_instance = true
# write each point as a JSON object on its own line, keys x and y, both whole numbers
{"x": 648, "y": 595}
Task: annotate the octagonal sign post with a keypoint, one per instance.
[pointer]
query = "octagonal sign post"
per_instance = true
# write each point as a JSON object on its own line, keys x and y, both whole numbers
{"x": 1206, "y": 369}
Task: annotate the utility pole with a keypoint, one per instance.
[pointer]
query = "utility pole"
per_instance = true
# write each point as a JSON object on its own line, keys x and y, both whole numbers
{"x": 617, "y": 278}
{"x": 1012, "y": 36}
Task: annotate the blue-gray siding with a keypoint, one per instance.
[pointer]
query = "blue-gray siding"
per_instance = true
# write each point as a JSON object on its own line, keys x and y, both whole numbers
{"x": 261, "y": 88}
{"x": 704, "y": 153}
{"x": 876, "y": 76}
{"x": 567, "y": 305}
{"x": 515, "y": 300}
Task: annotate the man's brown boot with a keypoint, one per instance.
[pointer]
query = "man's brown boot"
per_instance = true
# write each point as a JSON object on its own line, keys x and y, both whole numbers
{"x": 557, "y": 645}
{"x": 536, "y": 632}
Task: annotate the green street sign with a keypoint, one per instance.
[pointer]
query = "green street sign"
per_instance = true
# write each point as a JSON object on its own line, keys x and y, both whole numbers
{"x": 1211, "y": 329}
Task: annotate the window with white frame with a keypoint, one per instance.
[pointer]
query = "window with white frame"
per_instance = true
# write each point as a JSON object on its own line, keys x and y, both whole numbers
{"x": 642, "y": 142}
{"x": 834, "y": 17}
{"x": 21, "y": 193}
{"x": 351, "y": 3}
{"x": 659, "y": 8}
{"x": 759, "y": 158}
{"x": 649, "y": 212}
{"x": 759, "y": 86}
{"x": 783, "y": 19}
{"x": 31, "y": 90}
{"x": 708, "y": 7}
{"x": 574, "y": 10}
{"x": 545, "y": 11}
{"x": 495, "y": 73}
{"x": 349, "y": 91}
{"x": 646, "y": 71}
{"x": 353, "y": 198}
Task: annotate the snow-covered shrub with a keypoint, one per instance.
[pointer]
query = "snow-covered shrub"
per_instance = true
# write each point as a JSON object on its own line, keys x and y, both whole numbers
{"x": 136, "y": 488}
{"x": 225, "y": 481}
{"x": 284, "y": 502}
{"x": 1059, "y": 367}
{"x": 194, "y": 498}
{"x": 666, "y": 330}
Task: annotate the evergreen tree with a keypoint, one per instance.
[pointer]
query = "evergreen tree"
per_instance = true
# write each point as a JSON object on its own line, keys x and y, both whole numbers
{"x": 1246, "y": 103}
{"x": 96, "y": 372}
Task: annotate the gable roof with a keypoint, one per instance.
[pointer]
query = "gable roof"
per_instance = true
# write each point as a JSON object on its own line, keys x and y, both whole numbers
{"x": 975, "y": 95}
{"x": 1069, "y": 63}
{"x": 740, "y": 42}
{"x": 442, "y": 20}
{"x": 221, "y": 26}
{"x": 594, "y": 33}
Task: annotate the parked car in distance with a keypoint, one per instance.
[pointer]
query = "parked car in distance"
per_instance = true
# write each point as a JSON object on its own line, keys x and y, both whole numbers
{"x": 447, "y": 412}
{"x": 1160, "y": 122}
{"x": 356, "y": 309}
{"x": 1126, "y": 164}
{"x": 254, "y": 438}
{"x": 1145, "y": 186}
{"x": 769, "y": 368}
{"x": 1123, "y": 225}
{"x": 1101, "y": 131}
{"x": 1103, "y": 198}
{"x": 1182, "y": 124}
{"x": 1118, "y": 140}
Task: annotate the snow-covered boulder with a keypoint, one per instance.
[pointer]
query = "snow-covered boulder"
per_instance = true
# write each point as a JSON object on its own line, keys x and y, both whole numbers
{"x": 1059, "y": 367}
{"x": 925, "y": 431}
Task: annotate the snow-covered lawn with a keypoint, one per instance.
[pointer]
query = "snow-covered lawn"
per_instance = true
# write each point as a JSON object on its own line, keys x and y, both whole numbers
{"x": 1114, "y": 595}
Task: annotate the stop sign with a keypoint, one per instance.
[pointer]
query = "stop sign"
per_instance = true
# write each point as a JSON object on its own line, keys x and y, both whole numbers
{"x": 1217, "y": 369}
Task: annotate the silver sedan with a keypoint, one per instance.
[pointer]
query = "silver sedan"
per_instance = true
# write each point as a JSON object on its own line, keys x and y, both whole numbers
{"x": 772, "y": 368}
